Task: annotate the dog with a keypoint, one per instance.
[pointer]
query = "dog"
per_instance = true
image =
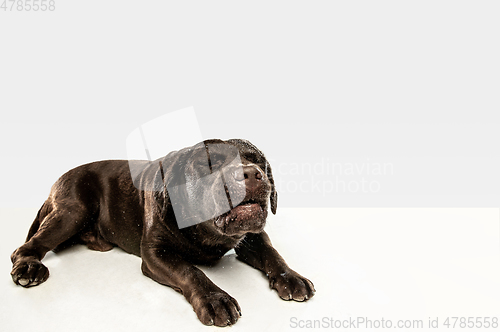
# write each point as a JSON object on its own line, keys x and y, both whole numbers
{"x": 189, "y": 207}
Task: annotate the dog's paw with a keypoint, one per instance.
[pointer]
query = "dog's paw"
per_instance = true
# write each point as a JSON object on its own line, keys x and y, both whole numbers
{"x": 29, "y": 272}
{"x": 292, "y": 286}
{"x": 217, "y": 308}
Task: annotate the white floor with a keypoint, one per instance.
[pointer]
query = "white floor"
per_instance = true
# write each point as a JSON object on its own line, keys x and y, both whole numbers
{"x": 371, "y": 264}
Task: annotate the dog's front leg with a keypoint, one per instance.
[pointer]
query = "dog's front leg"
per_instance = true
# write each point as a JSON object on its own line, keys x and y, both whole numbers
{"x": 256, "y": 250}
{"x": 212, "y": 305}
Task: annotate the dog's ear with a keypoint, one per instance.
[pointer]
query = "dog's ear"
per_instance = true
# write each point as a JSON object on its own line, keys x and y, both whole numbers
{"x": 274, "y": 193}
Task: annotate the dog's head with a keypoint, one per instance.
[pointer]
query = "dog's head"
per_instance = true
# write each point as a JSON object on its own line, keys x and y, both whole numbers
{"x": 225, "y": 185}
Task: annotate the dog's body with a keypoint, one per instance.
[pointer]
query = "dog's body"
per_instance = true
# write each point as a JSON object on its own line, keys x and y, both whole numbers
{"x": 105, "y": 204}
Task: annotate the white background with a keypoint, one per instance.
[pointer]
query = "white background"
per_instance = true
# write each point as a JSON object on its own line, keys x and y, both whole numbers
{"x": 392, "y": 264}
{"x": 410, "y": 84}
{"x": 413, "y": 84}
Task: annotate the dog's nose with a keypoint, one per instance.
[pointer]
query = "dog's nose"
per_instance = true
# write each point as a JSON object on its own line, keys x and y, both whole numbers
{"x": 251, "y": 174}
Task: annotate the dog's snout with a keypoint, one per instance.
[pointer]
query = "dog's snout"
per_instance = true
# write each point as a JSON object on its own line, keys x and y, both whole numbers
{"x": 249, "y": 173}
{"x": 252, "y": 175}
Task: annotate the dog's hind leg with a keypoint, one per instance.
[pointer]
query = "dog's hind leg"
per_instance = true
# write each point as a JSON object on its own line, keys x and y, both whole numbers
{"x": 53, "y": 226}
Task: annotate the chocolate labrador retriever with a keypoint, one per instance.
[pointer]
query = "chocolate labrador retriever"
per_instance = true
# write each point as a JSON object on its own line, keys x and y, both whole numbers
{"x": 189, "y": 207}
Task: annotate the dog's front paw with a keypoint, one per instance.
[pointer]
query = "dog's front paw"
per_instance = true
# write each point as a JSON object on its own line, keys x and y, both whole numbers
{"x": 29, "y": 272}
{"x": 292, "y": 286}
{"x": 217, "y": 308}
